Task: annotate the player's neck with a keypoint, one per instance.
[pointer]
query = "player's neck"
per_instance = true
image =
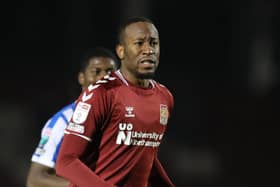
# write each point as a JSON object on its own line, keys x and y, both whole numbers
{"x": 144, "y": 83}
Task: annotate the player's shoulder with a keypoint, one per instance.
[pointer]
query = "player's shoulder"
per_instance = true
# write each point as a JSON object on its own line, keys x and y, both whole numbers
{"x": 162, "y": 88}
{"x": 63, "y": 115}
{"x": 165, "y": 92}
{"x": 108, "y": 82}
{"x": 103, "y": 88}
{"x": 66, "y": 110}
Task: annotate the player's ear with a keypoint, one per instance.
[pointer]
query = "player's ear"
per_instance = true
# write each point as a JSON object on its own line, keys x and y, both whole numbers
{"x": 120, "y": 51}
{"x": 81, "y": 78}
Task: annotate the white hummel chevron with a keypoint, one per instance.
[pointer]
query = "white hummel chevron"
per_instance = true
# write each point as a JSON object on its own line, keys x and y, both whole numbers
{"x": 101, "y": 81}
{"x": 91, "y": 87}
{"x": 109, "y": 78}
{"x": 86, "y": 97}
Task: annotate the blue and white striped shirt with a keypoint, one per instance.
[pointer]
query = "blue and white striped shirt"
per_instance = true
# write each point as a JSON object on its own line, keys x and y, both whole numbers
{"x": 51, "y": 137}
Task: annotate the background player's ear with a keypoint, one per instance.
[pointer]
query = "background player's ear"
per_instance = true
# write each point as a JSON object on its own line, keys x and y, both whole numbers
{"x": 120, "y": 51}
{"x": 81, "y": 79}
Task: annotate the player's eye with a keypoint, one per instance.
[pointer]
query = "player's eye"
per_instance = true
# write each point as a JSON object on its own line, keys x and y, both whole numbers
{"x": 139, "y": 43}
{"x": 154, "y": 43}
{"x": 97, "y": 71}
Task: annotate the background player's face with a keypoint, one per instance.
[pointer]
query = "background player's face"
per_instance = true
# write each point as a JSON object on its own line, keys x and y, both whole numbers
{"x": 96, "y": 69}
{"x": 140, "y": 50}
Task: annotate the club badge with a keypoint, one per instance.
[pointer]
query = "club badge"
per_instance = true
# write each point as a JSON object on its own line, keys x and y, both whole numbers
{"x": 163, "y": 114}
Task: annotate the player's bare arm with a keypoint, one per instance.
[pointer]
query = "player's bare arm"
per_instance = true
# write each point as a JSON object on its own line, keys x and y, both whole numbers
{"x": 43, "y": 176}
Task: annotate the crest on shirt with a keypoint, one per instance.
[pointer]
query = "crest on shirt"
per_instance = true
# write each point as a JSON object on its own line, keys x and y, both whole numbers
{"x": 163, "y": 114}
{"x": 129, "y": 112}
{"x": 81, "y": 112}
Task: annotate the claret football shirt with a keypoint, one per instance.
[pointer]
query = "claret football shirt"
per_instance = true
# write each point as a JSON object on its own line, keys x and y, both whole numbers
{"x": 124, "y": 126}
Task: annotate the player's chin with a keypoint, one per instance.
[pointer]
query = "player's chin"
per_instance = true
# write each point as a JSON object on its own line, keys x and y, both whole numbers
{"x": 146, "y": 74}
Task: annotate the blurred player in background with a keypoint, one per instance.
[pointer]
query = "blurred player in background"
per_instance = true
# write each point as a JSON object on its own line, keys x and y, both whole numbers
{"x": 95, "y": 63}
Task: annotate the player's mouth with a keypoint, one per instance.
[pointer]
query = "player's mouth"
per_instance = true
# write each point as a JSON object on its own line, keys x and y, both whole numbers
{"x": 147, "y": 63}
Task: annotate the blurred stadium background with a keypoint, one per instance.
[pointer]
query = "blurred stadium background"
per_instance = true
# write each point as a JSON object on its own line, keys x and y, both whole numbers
{"x": 219, "y": 58}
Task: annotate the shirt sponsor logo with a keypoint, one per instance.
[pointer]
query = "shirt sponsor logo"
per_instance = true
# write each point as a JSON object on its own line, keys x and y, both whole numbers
{"x": 76, "y": 128}
{"x": 127, "y": 136}
{"x": 124, "y": 135}
{"x": 163, "y": 114}
{"x": 81, "y": 112}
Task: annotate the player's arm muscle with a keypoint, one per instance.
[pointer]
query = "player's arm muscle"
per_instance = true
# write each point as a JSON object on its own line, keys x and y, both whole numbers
{"x": 44, "y": 176}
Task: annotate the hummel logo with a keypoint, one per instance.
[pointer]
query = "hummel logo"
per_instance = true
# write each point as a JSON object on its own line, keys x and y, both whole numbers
{"x": 129, "y": 112}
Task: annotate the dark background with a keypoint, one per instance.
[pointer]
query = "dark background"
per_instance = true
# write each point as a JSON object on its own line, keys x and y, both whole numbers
{"x": 220, "y": 59}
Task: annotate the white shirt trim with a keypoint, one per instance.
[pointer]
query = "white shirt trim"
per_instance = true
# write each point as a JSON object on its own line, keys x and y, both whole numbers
{"x": 119, "y": 74}
{"x": 76, "y": 134}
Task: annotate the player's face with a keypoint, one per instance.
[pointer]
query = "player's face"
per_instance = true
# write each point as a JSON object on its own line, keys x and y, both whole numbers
{"x": 97, "y": 68}
{"x": 141, "y": 50}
